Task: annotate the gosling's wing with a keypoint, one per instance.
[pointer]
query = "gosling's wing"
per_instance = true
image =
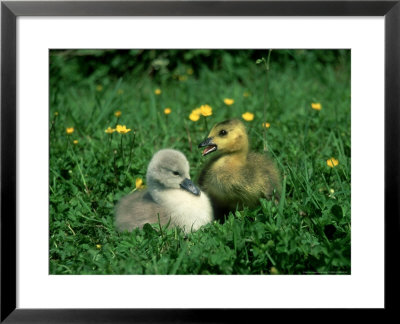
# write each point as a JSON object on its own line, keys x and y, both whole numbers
{"x": 137, "y": 209}
{"x": 266, "y": 173}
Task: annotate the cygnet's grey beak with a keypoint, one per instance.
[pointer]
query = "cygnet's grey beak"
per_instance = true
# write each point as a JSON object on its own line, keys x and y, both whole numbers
{"x": 209, "y": 144}
{"x": 188, "y": 185}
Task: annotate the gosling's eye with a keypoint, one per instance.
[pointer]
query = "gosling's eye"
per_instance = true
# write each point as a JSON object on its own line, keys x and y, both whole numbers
{"x": 222, "y": 132}
{"x": 176, "y": 173}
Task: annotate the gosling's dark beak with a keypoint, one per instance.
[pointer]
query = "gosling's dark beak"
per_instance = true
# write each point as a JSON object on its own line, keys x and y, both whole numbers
{"x": 210, "y": 146}
{"x": 188, "y": 185}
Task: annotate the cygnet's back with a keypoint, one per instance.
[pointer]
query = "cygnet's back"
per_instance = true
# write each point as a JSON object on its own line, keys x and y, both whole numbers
{"x": 171, "y": 196}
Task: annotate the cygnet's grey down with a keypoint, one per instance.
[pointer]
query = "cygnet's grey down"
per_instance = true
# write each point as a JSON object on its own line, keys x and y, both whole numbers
{"x": 170, "y": 196}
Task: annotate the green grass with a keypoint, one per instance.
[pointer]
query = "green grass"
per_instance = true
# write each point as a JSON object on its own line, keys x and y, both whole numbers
{"x": 307, "y": 232}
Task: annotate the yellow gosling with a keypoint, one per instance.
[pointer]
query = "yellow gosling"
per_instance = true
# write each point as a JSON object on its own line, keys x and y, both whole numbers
{"x": 234, "y": 177}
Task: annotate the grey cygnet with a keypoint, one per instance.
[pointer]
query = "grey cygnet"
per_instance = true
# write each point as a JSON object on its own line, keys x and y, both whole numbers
{"x": 170, "y": 196}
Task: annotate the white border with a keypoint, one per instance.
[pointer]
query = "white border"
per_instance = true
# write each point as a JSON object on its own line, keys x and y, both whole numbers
{"x": 363, "y": 288}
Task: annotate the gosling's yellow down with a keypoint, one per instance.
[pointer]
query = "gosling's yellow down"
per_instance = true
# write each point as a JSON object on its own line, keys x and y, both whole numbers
{"x": 171, "y": 197}
{"x": 234, "y": 177}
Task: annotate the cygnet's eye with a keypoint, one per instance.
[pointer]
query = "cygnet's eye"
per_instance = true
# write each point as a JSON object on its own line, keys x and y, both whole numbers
{"x": 176, "y": 173}
{"x": 222, "y": 132}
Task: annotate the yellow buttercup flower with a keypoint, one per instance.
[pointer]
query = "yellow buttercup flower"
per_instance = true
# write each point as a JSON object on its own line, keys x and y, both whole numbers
{"x": 203, "y": 110}
{"x": 98, "y": 246}
{"x": 118, "y": 113}
{"x": 248, "y": 116}
{"x": 206, "y": 110}
{"x": 167, "y": 111}
{"x": 69, "y": 130}
{"x": 75, "y": 142}
{"x": 316, "y": 106}
{"x": 228, "y": 101}
{"x": 109, "y": 130}
{"x": 194, "y": 117}
{"x": 139, "y": 183}
{"x": 266, "y": 125}
{"x": 122, "y": 129}
{"x": 157, "y": 91}
{"x": 332, "y": 162}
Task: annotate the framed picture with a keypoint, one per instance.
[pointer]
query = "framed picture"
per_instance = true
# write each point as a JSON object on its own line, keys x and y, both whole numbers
{"x": 295, "y": 74}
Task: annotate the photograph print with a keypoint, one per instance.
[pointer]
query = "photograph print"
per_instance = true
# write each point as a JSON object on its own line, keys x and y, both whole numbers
{"x": 200, "y": 161}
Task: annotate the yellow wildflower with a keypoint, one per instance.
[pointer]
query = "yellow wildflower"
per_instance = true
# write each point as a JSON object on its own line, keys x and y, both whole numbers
{"x": 56, "y": 113}
{"x": 274, "y": 270}
{"x": 69, "y": 130}
{"x": 194, "y": 117}
{"x": 122, "y": 129}
{"x": 109, "y": 130}
{"x": 167, "y": 111}
{"x": 99, "y": 87}
{"x": 248, "y": 116}
{"x": 316, "y": 106}
{"x": 332, "y": 162}
{"x": 206, "y": 110}
{"x": 157, "y": 91}
{"x": 75, "y": 142}
{"x": 118, "y": 113}
{"x": 98, "y": 246}
{"x": 266, "y": 125}
{"x": 228, "y": 101}
{"x": 139, "y": 183}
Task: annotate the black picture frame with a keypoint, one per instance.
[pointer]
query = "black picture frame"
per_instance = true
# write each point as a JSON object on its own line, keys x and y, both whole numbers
{"x": 10, "y": 10}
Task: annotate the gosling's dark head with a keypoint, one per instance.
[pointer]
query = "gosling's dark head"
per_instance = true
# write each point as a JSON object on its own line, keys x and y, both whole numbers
{"x": 169, "y": 169}
{"x": 226, "y": 137}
